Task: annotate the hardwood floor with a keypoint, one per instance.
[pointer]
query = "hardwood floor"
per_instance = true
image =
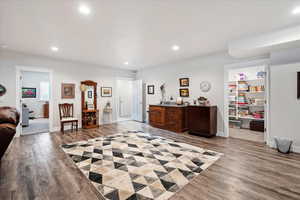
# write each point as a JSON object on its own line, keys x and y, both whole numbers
{"x": 36, "y": 168}
{"x": 246, "y": 134}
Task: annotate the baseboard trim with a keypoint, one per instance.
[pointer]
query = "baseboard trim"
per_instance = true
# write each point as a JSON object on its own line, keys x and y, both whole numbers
{"x": 221, "y": 134}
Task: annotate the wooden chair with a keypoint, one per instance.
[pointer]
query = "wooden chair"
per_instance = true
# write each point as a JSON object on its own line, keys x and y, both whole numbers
{"x": 66, "y": 114}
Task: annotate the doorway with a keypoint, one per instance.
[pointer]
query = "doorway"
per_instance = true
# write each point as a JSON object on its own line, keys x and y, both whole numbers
{"x": 33, "y": 94}
{"x": 124, "y": 99}
{"x": 246, "y": 92}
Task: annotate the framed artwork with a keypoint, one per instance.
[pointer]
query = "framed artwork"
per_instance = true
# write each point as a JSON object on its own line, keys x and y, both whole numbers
{"x": 28, "y": 93}
{"x": 184, "y": 92}
{"x": 106, "y": 91}
{"x": 90, "y": 94}
{"x": 184, "y": 82}
{"x": 67, "y": 91}
{"x": 150, "y": 89}
{"x": 2, "y": 90}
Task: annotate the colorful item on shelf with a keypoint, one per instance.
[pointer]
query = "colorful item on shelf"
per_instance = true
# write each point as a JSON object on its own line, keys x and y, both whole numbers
{"x": 243, "y": 86}
{"x": 242, "y": 99}
{"x": 232, "y": 87}
{"x": 258, "y": 115}
{"x": 260, "y": 74}
{"x": 241, "y": 76}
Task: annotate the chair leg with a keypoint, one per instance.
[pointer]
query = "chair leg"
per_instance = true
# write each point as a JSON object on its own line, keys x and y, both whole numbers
{"x": 62, "y": 128}
{"x": 77, "y": 126}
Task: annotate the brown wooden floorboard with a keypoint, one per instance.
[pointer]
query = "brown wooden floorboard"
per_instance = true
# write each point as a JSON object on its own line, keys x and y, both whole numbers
{"x": 34, "y": 167}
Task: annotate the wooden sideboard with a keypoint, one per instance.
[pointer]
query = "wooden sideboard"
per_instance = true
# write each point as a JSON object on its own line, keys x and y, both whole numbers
{"x": 172, "y": 118}
{"x": 200, "y": 120}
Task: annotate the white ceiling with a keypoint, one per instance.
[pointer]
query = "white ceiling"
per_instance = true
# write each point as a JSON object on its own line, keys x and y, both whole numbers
{"x": 138, "y": 31}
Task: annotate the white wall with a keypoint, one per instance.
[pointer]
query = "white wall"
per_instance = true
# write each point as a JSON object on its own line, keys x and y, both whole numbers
{"x": 284, "y": 105}
{"x": 33, "y": 80}
{"x": 209, "y": 68}
{"x": 63, "y": 72}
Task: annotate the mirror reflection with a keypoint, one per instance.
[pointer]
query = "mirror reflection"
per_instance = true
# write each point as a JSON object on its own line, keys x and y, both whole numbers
{"x": 89, "y": 97}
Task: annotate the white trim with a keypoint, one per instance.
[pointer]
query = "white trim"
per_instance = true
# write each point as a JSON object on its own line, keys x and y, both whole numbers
{"x": 19, "y": 70}
{"x": 254, "y": 63}
{"x": 221, "y": 134}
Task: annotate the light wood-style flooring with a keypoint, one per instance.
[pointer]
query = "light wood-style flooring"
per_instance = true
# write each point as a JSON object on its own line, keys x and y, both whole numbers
{"x": 246, "y": 134}
{"x": 36, "y": 168}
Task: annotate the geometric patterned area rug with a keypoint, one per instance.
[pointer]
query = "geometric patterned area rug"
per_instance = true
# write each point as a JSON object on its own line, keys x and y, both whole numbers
{"x": 138, "y": 166}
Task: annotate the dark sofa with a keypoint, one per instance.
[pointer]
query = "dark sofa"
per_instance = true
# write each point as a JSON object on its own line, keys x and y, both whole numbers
{"x": 9, "y": 120}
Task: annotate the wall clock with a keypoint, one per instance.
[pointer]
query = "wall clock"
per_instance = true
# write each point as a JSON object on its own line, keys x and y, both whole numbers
{"x": 2, "y": 90}
{"x": 205, "y": 86}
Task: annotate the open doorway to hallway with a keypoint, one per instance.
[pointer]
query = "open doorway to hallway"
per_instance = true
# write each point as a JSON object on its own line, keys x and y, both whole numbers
{"x": 34, "y": 99}
{"x": 124, "y": 99}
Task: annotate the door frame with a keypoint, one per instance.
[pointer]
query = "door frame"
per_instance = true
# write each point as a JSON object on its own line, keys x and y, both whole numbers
{"x": 117, "y": 102}
{"x": 254, "y": 63}
{"x": 19, "y": 70}
{"x": 139, "y": 91}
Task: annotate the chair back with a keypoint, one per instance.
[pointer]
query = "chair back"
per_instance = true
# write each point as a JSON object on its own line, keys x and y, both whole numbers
{"x": 66, "y": 110}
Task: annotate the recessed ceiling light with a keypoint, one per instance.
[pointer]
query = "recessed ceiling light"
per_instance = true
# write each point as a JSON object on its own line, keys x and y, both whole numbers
{"x": 3, "y": 46}
{"x": 54, "y": 48}
{"x": 296, "y": 11}
{"x": 84, "y": 9}
{"x": 175, "y": 47}
{"x": 126, "y": 63}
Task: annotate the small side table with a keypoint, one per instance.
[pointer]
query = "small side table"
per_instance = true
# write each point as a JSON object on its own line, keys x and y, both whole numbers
{"x": 107, "y": 111}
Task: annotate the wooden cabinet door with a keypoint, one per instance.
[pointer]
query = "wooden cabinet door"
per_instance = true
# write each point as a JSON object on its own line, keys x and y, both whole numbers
{"x": 174, "y": 119}
{"x": 199, "y": 119}
{"x": 157, "y": 116}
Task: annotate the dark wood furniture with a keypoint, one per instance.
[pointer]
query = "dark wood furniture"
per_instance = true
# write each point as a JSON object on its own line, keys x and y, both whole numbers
{"x": 66, "y": 114}
{"x": 9, "y": 120}
{"x": 257, "y": 125}
{"x": 199, "y": 120}
{"x": 46, "y": 110}
{"x": 202, "y": 120}
{"x": 172, "y": 118}
{"x": 89, "y": 104}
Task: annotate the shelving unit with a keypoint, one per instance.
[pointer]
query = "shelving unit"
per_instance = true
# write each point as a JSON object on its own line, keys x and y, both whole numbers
{"x": 246, "y": 102}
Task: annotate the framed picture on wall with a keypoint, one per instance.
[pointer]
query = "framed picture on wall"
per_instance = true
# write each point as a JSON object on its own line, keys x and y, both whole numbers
{"x": 184, "y": 92}
{"x": 28, "y": 93}
{"x": 184, "y": 82}
{"x": 67, "y": 91}
{"x": 150, "y": 89}
{"x": 106, "y": 92}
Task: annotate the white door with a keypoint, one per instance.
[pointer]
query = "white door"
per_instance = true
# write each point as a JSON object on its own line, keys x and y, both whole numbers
{"x": 125, "y": 98}
{"x": 138, "y": 102}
